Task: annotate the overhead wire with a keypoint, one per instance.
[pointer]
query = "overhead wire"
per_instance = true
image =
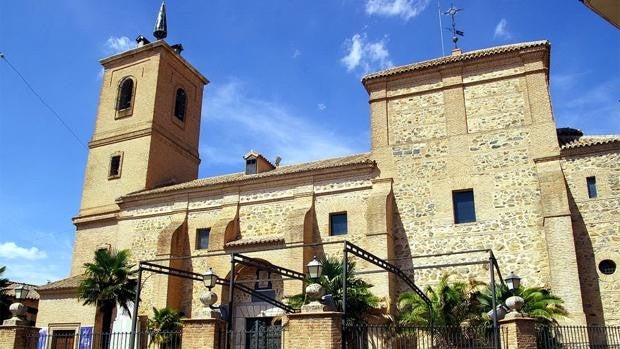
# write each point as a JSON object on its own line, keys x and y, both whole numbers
{"x": 49, "y": 107}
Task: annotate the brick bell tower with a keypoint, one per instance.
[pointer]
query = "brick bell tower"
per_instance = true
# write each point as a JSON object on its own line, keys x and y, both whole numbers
{"x": 148, "y": 123}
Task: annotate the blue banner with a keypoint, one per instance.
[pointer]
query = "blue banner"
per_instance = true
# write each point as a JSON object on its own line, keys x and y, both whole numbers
{"x": 86, "y": 338}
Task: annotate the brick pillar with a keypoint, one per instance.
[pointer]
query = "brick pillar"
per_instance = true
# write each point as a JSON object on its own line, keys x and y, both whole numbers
{"x": 203, "y": 334}
{"x": 18, "y": 337}
{"x": 518, "y": 333}
{"x": 313, "y": 330}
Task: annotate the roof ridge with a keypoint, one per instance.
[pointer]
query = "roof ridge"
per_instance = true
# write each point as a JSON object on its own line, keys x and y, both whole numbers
{"x": 358, "y": 158}
{"x": 451, "y": 59}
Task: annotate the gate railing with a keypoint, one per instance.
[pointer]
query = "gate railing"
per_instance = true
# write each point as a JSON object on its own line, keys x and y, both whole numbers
{"x": 364, "y": 336}
{"x": 572, "y": 337}
{"x": 64, "y": 339}
{"x": 271, "y": 337}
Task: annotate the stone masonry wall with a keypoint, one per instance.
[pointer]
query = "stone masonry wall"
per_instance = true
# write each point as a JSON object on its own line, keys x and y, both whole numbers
{"x": 596, "y": 222}
{"x": 478, "y": 125}
{"x": 496, "y": 164}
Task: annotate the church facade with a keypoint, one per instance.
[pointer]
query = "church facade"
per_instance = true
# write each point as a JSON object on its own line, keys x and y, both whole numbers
{"x": 465, "y": 155}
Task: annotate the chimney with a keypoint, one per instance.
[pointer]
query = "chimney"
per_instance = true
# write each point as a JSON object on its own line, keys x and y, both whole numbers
{"x": 256, "y": 163}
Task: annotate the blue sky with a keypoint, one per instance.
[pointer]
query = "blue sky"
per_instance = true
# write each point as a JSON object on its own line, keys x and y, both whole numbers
{"x": 285, "y": 81}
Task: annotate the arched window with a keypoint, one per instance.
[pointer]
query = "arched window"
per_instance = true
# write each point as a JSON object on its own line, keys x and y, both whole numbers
{"x": 179, "y": 104}
{"x": 125, "y": 94}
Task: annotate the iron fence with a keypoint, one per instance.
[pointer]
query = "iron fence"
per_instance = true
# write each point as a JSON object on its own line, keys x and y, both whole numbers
{"x": 271, "y": 337}
{"x": 362, "y": 336}
{"x": 573, "y": 337}
{"x": 71, "y": 339}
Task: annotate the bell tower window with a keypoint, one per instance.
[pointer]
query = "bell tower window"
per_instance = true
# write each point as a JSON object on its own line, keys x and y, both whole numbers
{"x": 116, "y": 162}
{"x": 126, "y": 92}
{"x": 180, "y": 103}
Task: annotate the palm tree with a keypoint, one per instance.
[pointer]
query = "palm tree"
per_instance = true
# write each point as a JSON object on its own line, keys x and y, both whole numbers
{"x": 359, "y": 298}
{"x": 164, "y": 325}
{"x": 538, "y": 302}
{"x": 4, "y": 300}
{"x": 108, "y": 282}
{"x": 451, "y": 304}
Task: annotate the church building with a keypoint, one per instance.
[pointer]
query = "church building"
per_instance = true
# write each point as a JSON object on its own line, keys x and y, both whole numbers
{"x": 465, "y": 155}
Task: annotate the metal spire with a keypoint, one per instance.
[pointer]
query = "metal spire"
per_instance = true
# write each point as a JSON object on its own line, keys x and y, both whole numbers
{"x": 161, "y": 29}
{"x": 452, "y": 11}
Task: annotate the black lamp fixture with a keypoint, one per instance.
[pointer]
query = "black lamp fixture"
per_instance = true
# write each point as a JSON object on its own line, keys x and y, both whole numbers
{"x": 315, "y": 268}
{"x": 21, "y": 291}
{"x": 209, "y": 278}
{"x": 513, "y": 281}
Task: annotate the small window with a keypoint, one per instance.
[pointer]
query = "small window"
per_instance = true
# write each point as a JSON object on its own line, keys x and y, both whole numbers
{"x": 179, "y": 104}
{"x": 115, "y": 166}
{"x": 125, "y": 94}
{"x": 591, "y": 181}
{"x": 338, "y": 223}
{"x": 464, "y": 207}
{"x": 607, "y": 266}
{"x": 250, "y": 166}
{"x": 202, "y": 238}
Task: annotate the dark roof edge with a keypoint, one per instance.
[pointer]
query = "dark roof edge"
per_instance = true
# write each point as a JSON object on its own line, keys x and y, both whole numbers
{"x": 445, "y": 60}
{"x": 264, "y": 176}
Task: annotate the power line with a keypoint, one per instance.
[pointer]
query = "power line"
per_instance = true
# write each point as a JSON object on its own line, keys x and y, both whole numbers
{"x": 56, "y": 114}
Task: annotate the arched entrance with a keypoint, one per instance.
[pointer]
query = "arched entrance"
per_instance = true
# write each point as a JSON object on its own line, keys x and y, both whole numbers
{"x": 255, "y": 323}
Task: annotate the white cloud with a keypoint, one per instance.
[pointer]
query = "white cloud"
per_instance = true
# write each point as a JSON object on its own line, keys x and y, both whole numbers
{"x": 321, "y": 107}
{"x": 296, "y": 53}
{"x": 365, "y": 55}
{"x": 501, "y": 30}
{"x": 236, "y": 122}
{"x": 406, "y": 9}
{"x": 118, "y": 44}
{"x": 11, "y": 250}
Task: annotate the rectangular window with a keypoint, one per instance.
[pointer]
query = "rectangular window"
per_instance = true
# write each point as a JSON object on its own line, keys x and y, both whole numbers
{"x": 591, "y": 187}
{"x": 202, "y": 238}
{"x": 115, "y": 166}
{"x": 338, "y": 223}
{"x": 63, "y": 339}
{"x": 464, "y": 207}
{"x": 250, "y": 166}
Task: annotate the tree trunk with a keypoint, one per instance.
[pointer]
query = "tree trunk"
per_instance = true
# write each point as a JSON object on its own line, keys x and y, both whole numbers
{"x": 106, "y": 325}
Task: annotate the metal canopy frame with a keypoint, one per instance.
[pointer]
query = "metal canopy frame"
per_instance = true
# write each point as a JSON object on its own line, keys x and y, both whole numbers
{"x": 238, "y": 258}
{"x": 386, "y": 266}
{"x": 235, "y": 258}
{"x": 369, "y": 257}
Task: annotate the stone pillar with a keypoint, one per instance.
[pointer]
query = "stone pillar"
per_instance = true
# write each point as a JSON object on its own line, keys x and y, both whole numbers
{"x": 313, "y": 330}
{"x": 18, "y": 337}
{"x": 517, "y": 333}
{"x": 203, "y": 333}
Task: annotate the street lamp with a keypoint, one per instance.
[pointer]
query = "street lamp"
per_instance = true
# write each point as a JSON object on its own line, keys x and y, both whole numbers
{"x": 513, "y": 281}
{"x": 18, "y": 309}
{"x": 315, "y": 268}
{"x": 209, "y": 279}
{"x": 514, "y": 303}
{"x": 21, "y": 291}
{"x": 208, "y": 298}
{"x": 314, "y": 291}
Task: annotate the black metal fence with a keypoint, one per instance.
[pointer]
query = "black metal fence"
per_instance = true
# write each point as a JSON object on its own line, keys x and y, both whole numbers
{"x": 400, "y": 337}
{"x": 570, "y": 337}
{"x": 271, "y": 337}
{"x": 71, "y": 339}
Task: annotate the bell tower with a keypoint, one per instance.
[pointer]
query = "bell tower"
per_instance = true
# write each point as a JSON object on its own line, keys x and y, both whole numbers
{"x": 147, "y": 125}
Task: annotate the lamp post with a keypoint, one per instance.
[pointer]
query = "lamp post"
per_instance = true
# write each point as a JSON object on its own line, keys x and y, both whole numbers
{"x": 17, "y": 308}
{"x": 314, "y": 291}
{"x": 513, "y": 281}
{"x": 208, "y": 298}
{"x": 514, "y": 303}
